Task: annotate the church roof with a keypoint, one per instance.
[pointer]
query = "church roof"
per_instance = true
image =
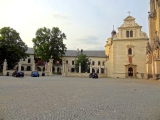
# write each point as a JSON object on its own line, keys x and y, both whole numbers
{"x": 89, "y": 53}
{"x": 73, "y": 53}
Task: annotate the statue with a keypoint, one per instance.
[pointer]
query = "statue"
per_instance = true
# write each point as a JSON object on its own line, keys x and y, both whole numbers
{"x": 156, "y": 41}
{"x": 148, "y": 48}
{"x": 148, "y": 56}
{"x": 157, "y": 53}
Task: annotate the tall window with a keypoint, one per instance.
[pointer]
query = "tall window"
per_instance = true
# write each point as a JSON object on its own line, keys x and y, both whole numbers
{"x": 67, "y": 61}
{"x": 131, "y": 33}
{"x": 99, "y": 63}
{"x": 29, "y": 60}
{"x": 103, "y": 63}
{"x": 130, "y": 51}
{"x": 127, "y": 33}
{"x": 72, "y": 62}
{"x": 92, "y": 62}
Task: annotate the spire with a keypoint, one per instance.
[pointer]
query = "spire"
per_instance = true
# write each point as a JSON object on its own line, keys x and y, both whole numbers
{"x": 113, "y": 32}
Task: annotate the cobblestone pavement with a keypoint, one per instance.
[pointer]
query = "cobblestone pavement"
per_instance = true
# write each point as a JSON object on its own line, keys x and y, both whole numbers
{"x": 69, "y": 98}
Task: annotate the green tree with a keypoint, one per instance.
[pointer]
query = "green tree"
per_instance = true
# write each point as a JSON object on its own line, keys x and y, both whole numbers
{"x": 49, "y": 42}
{"x": 12, "y": 48}
{"x": 84, "y": 61}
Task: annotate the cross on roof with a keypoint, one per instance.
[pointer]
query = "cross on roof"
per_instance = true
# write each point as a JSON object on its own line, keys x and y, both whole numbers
{"x": 129, "y": 13}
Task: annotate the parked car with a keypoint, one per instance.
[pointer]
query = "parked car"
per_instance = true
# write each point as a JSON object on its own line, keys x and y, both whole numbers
{"x": 34, "y": 74}
{"x": 18, "y": 74}
{"x": 93, "y": 75}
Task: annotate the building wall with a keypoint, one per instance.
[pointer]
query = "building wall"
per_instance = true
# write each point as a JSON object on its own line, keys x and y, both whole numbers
{"x": 109, "y": 63}
{"x": 26, "y": 61}
{"x": 95, "y": 59}
{"x": 119, "y": 60}
{"x": 120, "y": 56}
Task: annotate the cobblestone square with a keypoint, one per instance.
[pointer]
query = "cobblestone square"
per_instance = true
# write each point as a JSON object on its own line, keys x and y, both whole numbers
{"x": 71, "y": 98}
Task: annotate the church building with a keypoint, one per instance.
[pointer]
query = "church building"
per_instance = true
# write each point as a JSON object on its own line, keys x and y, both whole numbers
{"x": 126, "y": 51}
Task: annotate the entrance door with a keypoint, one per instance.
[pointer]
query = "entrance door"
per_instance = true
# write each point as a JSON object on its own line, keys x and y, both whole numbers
{"x": 130, "y": 71}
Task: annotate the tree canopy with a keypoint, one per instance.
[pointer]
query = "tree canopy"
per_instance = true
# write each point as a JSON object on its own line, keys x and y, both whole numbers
{"x": 12, "y": 48}
{"x": 82, "y": 58}
{"x": 49, "y": 42}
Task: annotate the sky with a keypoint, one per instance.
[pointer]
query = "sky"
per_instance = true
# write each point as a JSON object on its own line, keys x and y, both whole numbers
{"x": 86, "y": 23}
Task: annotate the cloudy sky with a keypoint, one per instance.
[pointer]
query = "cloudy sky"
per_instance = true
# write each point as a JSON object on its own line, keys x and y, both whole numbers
{"x": 86, "y": 23}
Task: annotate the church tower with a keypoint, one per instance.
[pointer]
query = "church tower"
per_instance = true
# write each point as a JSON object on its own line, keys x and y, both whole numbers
{"x": 153, "y": 47}
{"x": 154, "y": 20}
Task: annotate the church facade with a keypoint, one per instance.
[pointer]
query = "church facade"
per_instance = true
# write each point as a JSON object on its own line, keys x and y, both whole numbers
{"x": 126, "y": 51}
{"x": 153, "y": 46}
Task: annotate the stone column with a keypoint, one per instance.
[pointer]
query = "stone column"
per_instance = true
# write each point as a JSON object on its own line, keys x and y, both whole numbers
{"x": 51, "y": 65}
{"x": 99, "y": 70}
{"x": 55, "y": 69}
{"x": 47, "y": 69}
{"x": 33, "y": 66}
{"x": 64, "y": 68}
{"x": 19, "y": 65}
{"x": 79, "y": 67}
{"x": 153, "y": 66}
{"x": 95, "y": 70}
{"x": 4, "y": 67}
{"x": 90, "y": 68}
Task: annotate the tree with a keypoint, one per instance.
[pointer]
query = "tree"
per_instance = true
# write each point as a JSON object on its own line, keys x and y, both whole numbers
{"x": 84, "y": 61}
{"x": 12, "y": 48}
{"x": 49, "y": 43}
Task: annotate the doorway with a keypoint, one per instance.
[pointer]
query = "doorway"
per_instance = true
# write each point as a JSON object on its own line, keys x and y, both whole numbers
{"x": 130, "y": 72}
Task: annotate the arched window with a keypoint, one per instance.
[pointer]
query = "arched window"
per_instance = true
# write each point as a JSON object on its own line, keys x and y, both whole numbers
{"x": 28, "y": 68}
{"x": 129, "y": 51}
{"x": 127, "y": 33}
{"x": 131, "y": 33}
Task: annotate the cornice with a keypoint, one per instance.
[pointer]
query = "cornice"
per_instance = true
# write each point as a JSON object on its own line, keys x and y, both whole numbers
{"x": 130, "y": 39}
{"x": 130, "y": 27}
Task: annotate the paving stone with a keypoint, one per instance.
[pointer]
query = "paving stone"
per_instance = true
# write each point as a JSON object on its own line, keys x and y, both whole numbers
{"x": 71, "y": 98}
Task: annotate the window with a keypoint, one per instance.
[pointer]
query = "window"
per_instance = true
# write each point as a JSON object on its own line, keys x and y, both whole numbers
{"x": 103, "y": 63}
{"x": 92, "y": 62}
{"x": 130, "y": 51}
{"x": 67, "y": 61}
{"x": 29, "y": 60}
{"x": 72, "y": 62}
{"x": 131, "y": 33}
{"x": 127, "y": 33}
{"x": 99, "y": 63}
